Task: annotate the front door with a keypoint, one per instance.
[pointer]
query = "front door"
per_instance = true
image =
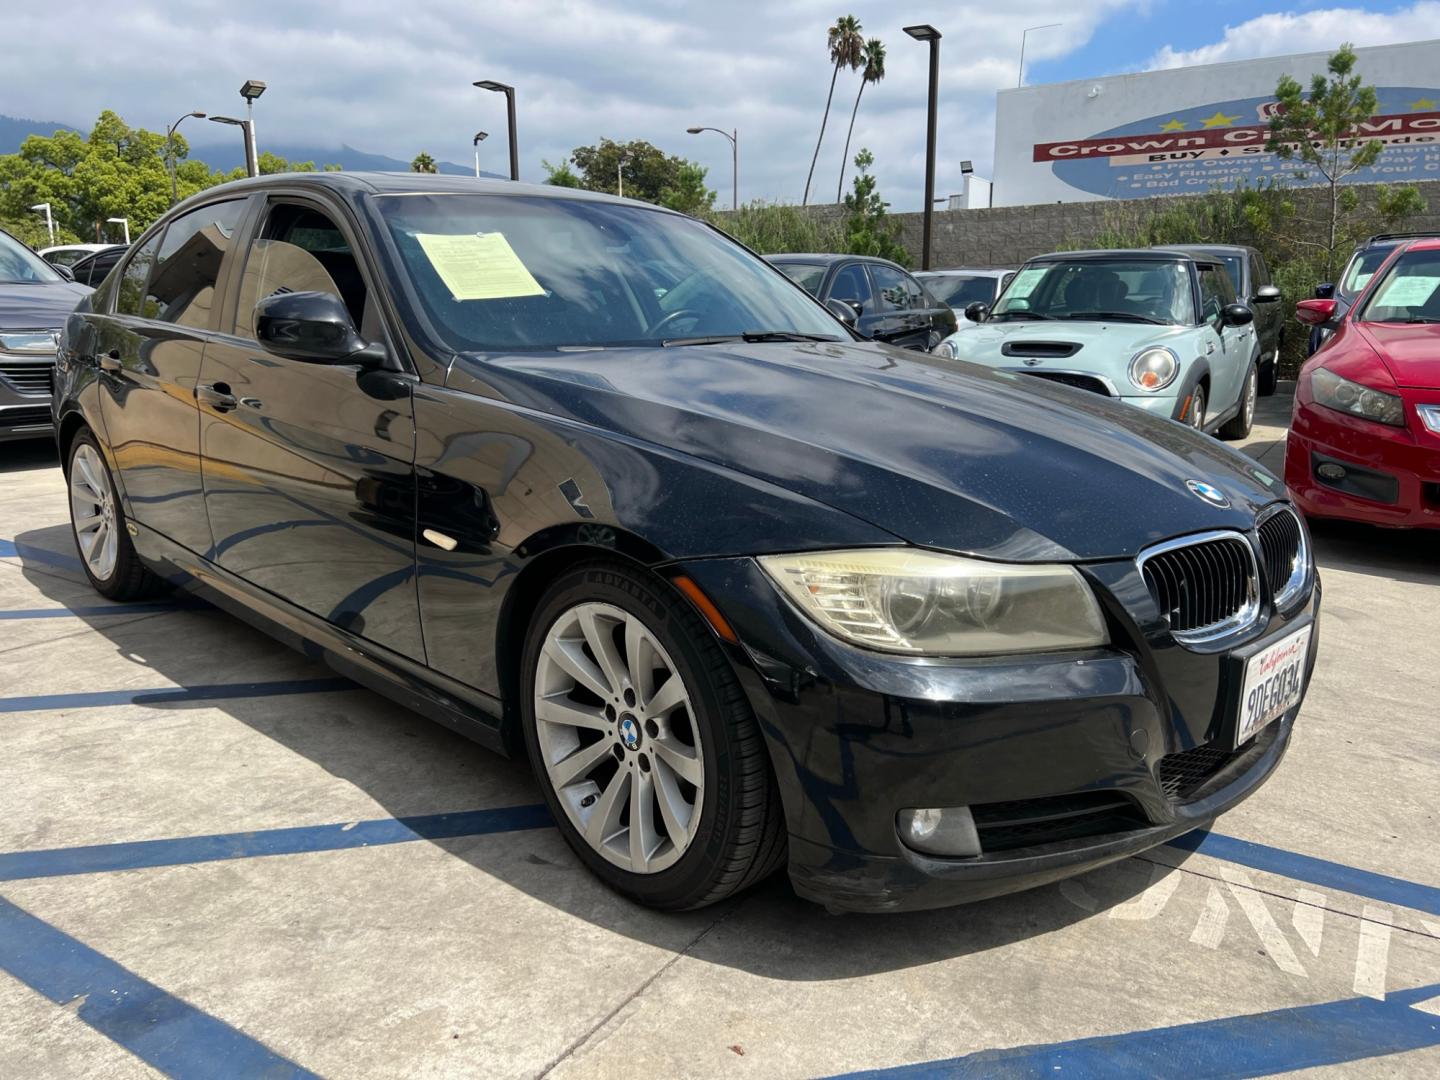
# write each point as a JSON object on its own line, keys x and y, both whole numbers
{"x": 309, "y": 478}
{"x": 1230, "y": 345}
{"x": 150, "y": 351}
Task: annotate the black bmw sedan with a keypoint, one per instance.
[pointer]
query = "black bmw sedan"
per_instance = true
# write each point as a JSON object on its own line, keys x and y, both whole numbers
{"x": 586, "y": 480}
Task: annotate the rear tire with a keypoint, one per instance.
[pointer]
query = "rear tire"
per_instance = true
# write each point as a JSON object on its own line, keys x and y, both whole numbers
{"x": 1270, "y": 375}
{"x": 1238, "y": 426}
{"x": 97, "y": 523}
{"x": 618, "y": 765}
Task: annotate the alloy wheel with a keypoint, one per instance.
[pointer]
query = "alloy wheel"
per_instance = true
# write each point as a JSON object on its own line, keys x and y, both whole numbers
{"x": 617, "y": 737}
{"x": 1252, "y": 391}
{"x": 92, "y": 509}
{"x": 1196, "y": 416}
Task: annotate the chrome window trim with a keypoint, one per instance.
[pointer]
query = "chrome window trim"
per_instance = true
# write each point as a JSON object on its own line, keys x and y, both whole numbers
{"x": 1249, "y": 613}
{"x": 1300, "y": 575}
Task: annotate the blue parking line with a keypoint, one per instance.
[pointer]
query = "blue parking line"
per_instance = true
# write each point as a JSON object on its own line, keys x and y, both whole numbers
{"x": 96, "y": 609}
{"x": 160, "y": 1029}
{"x": 304, "y": 839}
{"x": 31, "y": 554}
{"x": 166, "y": 695}
{"x": 1258, "y": 1044}
{"x": 1307, "y": 868}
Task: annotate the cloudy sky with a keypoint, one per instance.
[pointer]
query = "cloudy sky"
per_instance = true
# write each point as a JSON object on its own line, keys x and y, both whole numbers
{"x": 394, "y": 78}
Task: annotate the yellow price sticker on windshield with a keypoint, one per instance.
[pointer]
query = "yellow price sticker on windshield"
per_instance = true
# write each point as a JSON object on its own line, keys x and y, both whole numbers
{"x": 478, "y": 266}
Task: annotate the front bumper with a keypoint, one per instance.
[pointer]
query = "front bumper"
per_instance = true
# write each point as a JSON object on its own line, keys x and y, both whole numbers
{"x": 1392, "y": 475}
{"x": 1068, "y": 761}
{"x": 26, "y": 383}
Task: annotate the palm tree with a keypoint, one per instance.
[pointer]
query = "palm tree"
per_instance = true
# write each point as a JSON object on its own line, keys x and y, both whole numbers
{"x": 874, "y": 56}
{"x": 845, "y": 42}
{"x": 423, "y": 163}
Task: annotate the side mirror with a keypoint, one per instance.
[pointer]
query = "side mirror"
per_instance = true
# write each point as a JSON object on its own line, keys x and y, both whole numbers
{"x": 1236, "y": 315}
{"x": 63, "y": 270}
{"x": 847, "y": 311}
{"x": 977, "y": 312}
{"x": 311, "y": 326}
{"x": 1325, "y": 290}
{"x": 1315, "y": 312}
{"x": 1267, "y": 294}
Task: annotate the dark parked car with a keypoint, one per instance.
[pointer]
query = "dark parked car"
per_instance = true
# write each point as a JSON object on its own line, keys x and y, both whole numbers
{"x": 1254, "y": 289}
{"x": 748, "y": 591}
{"x": 1364, "y": 261}
{"x": 91, "y": 270}
{"x": 35, "y": 299}
{"x": 890, "y": 305}
{"x": 963, "y": 286}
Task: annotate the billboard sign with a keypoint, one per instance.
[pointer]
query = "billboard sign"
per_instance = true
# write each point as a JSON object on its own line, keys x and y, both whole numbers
{"x": 1105, "y": 139}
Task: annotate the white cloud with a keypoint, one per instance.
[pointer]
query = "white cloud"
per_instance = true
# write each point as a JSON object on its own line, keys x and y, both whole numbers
{"x": 1317, "y": 30}
{"x": 394, "y": 78}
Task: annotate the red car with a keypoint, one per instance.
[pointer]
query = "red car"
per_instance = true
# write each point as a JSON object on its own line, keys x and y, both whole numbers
{"x": 1365, "y": 436}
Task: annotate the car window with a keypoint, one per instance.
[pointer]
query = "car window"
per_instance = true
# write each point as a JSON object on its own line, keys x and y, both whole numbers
{"x": 1091, "y": 289}
{"x": 1235, "y": 267}
{"x": 20, "y": 265}
{"x": 66, "y": 256}
{"x": 852, "y": 283}
{"x": 1216, "y": 291}
{"x": 182, "y": 286}
{"x": 130, "y": 298}
{"x": 92, "y": 271}
{"x": 807, "y": 275}
{"x": 1409, "y": 291}
{"x": 529, "y": 272}
{"x": 300, "y": 249}
{"x": 1261, "y": 271}
{"x": 1362, "y": 268}
{"x": 960, "y": 290}
{"x": 894, "y": 288}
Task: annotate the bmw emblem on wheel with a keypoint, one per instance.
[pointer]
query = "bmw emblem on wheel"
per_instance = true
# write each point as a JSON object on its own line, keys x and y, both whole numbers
{"x": 629, "y": 734}
{"x": 1209, "y": 492}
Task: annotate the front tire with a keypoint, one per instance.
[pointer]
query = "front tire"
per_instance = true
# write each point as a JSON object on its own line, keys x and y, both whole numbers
{"x": 97, "y": 522}
{"x": 643, "y": 742}
{"x": 1238, "y": 426}
{"x": 1270, "y": 374}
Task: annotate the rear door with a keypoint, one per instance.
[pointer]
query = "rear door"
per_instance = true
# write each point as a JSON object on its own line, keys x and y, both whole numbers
{"x": 1269, "y": 316}
{"x": 903, "y": 319}
{"x": 150, "y": 352}
{"x": 308, "y": 467}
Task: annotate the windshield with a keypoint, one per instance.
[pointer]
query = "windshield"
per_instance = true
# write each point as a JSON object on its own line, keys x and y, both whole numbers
{"x": 958, "y": 290}
{"x": 1110, "y": 290}
{"x": 1362, "y": 268}
{"x": 807, "y": 275}
{"x": 1409, "y": 292}
{"x": 21, "y": 266}
{"x": 514, "y": 272}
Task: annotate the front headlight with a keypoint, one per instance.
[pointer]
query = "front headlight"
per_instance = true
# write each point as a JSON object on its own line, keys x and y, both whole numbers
{"x": 907, "y": 601}
{"x": 1345, "y": 396}
{"x": 946, "y": 349}
{"x": 1154, "y": 368}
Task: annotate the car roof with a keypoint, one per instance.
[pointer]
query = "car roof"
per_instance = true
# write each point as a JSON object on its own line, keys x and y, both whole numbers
{"x": 1427, "y": 243}
{"x": 965, "y": 270}
{"x": 825, "y": 258}
{"x": 1157, "y": 255}
{"x": 1212, "y": 249}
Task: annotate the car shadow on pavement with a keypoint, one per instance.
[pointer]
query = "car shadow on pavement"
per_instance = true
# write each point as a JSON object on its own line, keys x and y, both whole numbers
{"x": 411, "y": 766}
{"x": 1411, "y": 555}
{"x": 28, "y": 455}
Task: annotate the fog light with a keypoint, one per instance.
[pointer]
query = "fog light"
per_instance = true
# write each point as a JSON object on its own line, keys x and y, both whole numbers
{"x": 1330, "y": 471}
{"x": 948, "y": 830}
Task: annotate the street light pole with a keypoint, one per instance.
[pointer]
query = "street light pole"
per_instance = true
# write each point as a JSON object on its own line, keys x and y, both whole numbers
{"x": 928, "y": 33}
{"x": 620, "y": 176}
{"x": 480, "y": 136}
{"x": 251, "y": 166}
{"x": 1020, "y": 79}
{"x": 124, "y": 223}
{"x": 251, "y": 90}
{"x": 49, "y": 221}
{"x": 170, "y": 152}
{"x": 734, "y": 137}
{"x": 509, "y": 92}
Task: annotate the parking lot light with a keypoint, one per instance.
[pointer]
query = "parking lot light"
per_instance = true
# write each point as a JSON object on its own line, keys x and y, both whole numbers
{"x": 509, "y": 92}
{"x": 480, "y": 136}
{"x": 250, "y": 90}
{"x": 124, "y": 223}
{"x": 170, "y": 151}
{"x": 44, "y": 208}
{"x": 251, "y": 165}
{"x": 734, "y": 137}
{"x": 1020, "y": 78}
{"x": 926, "y": 32}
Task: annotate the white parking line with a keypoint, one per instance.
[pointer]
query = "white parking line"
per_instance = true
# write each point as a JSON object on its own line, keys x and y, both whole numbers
{"x": 1210, "y": 927}
{"x": 1253, "y": 905}
{"x": 1372, "y": 954}
{"x": 1309, "y": 918}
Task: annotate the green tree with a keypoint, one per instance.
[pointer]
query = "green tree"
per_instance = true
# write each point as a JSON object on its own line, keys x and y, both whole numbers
{"x": 873, "y": 54}
{"x": 688, "y": 194}
{"x": 423, "y": 163}
{"x": 845, "y": 43}
{"x": 1318, "y": 130}
{"x": 649, "y": 171}
{"x": 868, "y": 229}
{"x": 560, "y": 175}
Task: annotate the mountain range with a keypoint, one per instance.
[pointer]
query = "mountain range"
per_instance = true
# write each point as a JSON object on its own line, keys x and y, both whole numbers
{"x": 231, "y": 154}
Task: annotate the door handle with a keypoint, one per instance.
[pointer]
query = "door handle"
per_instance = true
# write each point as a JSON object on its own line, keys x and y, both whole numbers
{"x": 216, "y": 395}
{"x": 110, "y": 361}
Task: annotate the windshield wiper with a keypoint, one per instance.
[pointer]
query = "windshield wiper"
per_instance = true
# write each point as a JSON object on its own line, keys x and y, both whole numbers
{"x": 1021, "y": 315}
{"x": 750, "y": 336}
{"x": 1115, "y": 316}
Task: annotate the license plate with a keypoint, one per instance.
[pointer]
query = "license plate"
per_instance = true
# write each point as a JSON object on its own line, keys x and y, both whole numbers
{"x": 1274, "y": 681}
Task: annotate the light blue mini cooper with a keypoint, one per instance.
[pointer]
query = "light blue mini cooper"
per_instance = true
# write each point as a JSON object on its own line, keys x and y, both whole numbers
{"x": 1157, "y": 329}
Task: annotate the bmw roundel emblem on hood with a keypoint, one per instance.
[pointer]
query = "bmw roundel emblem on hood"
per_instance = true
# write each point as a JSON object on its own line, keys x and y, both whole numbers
{"x": 1209, "y": 492}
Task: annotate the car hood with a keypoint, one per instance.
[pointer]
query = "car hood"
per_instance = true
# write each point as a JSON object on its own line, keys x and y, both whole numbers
{"x": 41, "y": 306}
{"x": 1099, "y": 344}
{"x": 1410, "y": 350}
{"x": 942, "y": 454}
